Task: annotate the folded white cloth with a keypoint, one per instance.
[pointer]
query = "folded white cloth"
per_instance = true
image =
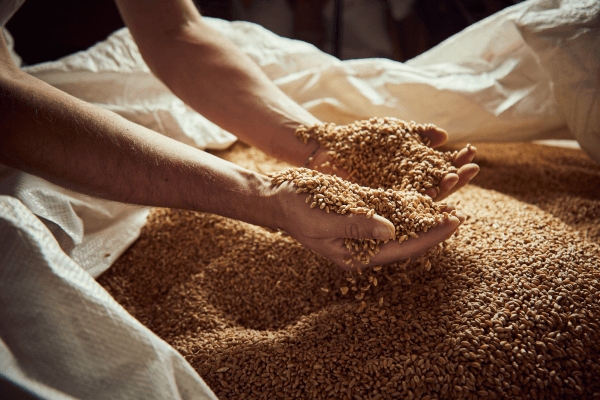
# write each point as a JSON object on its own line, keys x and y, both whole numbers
{"x": 531, "y": 71}
{"x": 63, "y": 336}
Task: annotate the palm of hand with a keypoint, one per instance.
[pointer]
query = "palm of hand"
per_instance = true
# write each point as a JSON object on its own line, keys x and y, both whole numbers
{"x": 325, "y": 233}
{"x": 331, "y": 244}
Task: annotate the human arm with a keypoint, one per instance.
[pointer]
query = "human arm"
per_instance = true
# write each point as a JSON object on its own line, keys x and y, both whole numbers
{"x": 51, "y": 134}
{"x": 214, "y": 77}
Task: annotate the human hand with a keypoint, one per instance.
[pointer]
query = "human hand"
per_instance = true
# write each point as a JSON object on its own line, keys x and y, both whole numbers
{"x": 325, "y": 233}
{"x": 452, "y": 182}
{"x": 449, "y": 184}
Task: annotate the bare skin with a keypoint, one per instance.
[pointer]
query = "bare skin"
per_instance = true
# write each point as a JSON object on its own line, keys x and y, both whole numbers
{"x": 67, "y": 141}
{"x": 463, "y": 161}
{"x": 325, "y": 236}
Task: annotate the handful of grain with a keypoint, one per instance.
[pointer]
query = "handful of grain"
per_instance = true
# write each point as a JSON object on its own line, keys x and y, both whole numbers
{"x": 383, "y": 153}
{"x": 409, "y": 211}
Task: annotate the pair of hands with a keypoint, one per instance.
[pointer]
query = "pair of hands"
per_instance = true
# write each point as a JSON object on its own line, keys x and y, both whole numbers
{"x": 324, "y": 233}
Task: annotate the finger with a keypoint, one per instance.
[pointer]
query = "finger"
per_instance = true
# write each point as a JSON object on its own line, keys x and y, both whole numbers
{"x": 415, "y": 247}
{"x": 447, "y": 207}
{"x": 412, "y": 248}
{"x": 431, "y": 192}
{"x": 465, "y": 156}
{"x": 465, "y": 174}
{"x": 447, "y": 183}
{"x": 436, "y": 136}
{"x": 355, "y": 226}
{"x": 450, "y": 183}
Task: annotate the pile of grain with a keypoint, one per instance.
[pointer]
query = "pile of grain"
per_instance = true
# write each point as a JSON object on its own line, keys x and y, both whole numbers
{"x": 383, "y": 153}
{"x": 509, "y": 308}
{"x": 408, "y": 210}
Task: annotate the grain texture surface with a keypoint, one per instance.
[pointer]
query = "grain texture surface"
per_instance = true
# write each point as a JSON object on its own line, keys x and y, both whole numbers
{"x": 507, "y": 308}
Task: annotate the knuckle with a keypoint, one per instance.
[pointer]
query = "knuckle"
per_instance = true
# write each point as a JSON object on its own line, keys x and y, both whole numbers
{"x": 352, "y": 231}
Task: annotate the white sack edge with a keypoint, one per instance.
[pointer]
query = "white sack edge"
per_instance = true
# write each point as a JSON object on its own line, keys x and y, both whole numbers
{"x": 62, "y": 336}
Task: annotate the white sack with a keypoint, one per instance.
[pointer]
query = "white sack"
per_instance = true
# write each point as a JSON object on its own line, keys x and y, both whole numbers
{"x": 92, "y": 231}
{"x": 63, "y": 336}
{"x": 523, "y": 73}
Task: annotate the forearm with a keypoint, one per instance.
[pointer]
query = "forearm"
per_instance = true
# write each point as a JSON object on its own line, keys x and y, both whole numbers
{"x": 210, "y": 74}
{"x": 91, "y": 150}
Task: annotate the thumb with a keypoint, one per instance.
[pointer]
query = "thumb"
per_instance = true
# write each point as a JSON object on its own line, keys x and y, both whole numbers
{"x": 358, "y": 226}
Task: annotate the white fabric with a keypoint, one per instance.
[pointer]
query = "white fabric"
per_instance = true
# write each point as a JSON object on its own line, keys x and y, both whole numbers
{"x": 523, "y": 73}
{"x": 92, "y": 231}
{"x": 63, "y": 336}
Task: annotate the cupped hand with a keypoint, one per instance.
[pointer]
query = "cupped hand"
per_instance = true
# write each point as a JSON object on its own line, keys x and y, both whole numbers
{"x": 449, "y": 184}
{"x": 325, "y": 233}
{"x": 463, "y": 161}
{"x": 413, "y": 248}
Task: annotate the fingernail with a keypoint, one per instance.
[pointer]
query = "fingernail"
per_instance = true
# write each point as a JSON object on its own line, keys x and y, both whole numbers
{"x": 382, "y": 233}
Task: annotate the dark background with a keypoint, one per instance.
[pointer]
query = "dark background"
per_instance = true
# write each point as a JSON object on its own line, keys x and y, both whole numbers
{"x": 47, "y": 30}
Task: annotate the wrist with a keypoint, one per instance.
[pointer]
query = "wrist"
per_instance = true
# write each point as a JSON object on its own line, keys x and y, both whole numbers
{"x": 268, "y": 205}
{"x": 278, "y": 201}
{"x": 229, "y": 190}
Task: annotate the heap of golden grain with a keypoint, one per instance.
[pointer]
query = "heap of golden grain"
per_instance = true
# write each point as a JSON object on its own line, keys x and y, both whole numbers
{"x": 508, "y": 308}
